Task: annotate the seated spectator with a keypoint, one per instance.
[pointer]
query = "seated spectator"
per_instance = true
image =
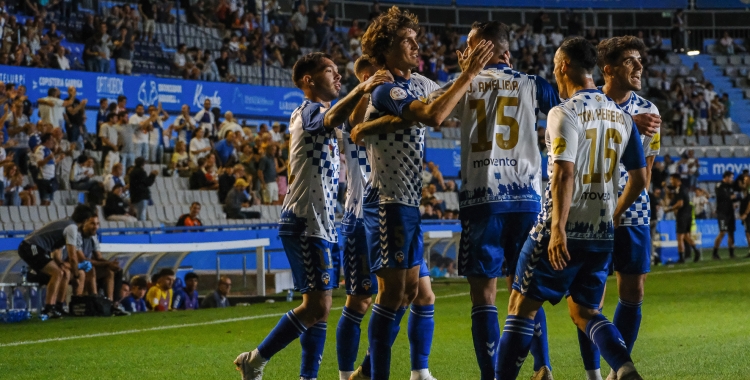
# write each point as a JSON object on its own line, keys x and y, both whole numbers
{"x": 230, "y": 124}
{"x": 191, "y": 219}
{"x": 228, "y": 178}
{"x": 696, "y": 72}
{"x": 134, "y": 303}
{"x": 159, "y": 297}
{"x": 180, "y": 160}
{"x": 81, "y": 177}
{"x": 187, "y": 298}
{"x": 124, "y": 291}
{"x": 116, "y": 177}
{"x": 13, "y": 192}
{"x": 199, "y": 179}
{"x": 183, "y": 65}
{"x": 60, "y": 61}
{"x": 225, "y": 149}
{"x": 116, "y": 207}
{"x": 437, "y": 176}
{"x": 200, "y": 146}
{"x": 428, "y": 213}
{"x": 237, "y": 198}
{"x": 276, "y": 136}
{"x": 219, "y": 297}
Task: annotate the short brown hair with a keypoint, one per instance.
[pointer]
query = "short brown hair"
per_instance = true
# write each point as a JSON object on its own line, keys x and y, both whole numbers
{"x": 307, "y": 65}
{"x": 382, "y": 33}
{"x": 610, "y": 50}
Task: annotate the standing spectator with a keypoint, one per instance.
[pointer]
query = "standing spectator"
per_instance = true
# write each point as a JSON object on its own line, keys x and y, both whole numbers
{"x": 222, "y": 65}
{"x": 147, "y": 10}
{"x": 75, "y": 111}
{"x": 191, "y": 219}
{"x": 205, "y": 119}
{"x": 299, "y": 25}
{"x": 267, "y": 174}
{"x": 659, "y": 175}
{"x": 238, "y": 198}
{"x": 276, "y": 136}
{"x": 200, "y": 146}
{"x": 727, "y": 121}
{"x": 701, "y": 204}
{"x": 725, "y": 198}
{"x": 225, "y": 149}
{"x": 696, "y": 72}
{"x": 134, "y": 303}
{"x": 122, "y": 102}
{"x": 143, "y": 126}
{"x": 184, "y": 124}
{"x": 52, "y": 108}
{"x": 46, "y": 162}
{"x": 101, "y": 114}
{"x": 556, "y": 37}
{"x": 140, "y": 194}
{"x": 183, "y": 65}
{"x": 683, "y": 211}
{"x": 116, "y": 208}
{"x": 187, "y": 298}
{"x": 716, "y": 126}
{"x": 108, "y": 133}
{"x": 574, "y": 25}
{"x": 678, "y": 32}
{"x": 693, "y": 166}
{"x": 159, "y": 297}
{"x": 230, "y": 124}
{"x": 115, "y": 178}
{"x": 702, "y": 113}
{"x": 156, "y": 133}
{"x": 219, "y": 297}
{"x": 81, "y": 177}
{"x": 124, "y": 47}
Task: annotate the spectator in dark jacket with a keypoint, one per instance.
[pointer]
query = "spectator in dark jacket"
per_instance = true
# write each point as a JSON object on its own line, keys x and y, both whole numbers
{"x": 115, "y": 207}
{"x": 237, "y": 198}
{"x": 199, "y": 179}
{"x": 219, "y": 297}
{"x": 226, "y": 180}
{"x": 140, "y": 194}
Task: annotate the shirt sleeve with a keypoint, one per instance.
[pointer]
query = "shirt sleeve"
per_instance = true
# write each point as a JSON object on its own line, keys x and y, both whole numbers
{"x": 563, "y": 135}
{"x": 632, "y": 156}
{"x": 546, "y": 96}
{"x": 391, "y": 99}
{"x": 71, "y": 235}
{"x": 313, "y": 118}
{"x": 152, "y": 297}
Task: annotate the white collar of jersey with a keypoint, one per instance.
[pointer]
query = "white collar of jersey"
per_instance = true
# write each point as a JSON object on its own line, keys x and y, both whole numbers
{"x": 625, "y": 103}
{"x": 497, "y": 66}
{"x": 588, "y": 91}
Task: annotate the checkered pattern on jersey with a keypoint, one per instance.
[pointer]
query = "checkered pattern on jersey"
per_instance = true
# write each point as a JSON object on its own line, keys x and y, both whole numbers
{"x": 639, "y": 213}
{"x": 359, "y": 154}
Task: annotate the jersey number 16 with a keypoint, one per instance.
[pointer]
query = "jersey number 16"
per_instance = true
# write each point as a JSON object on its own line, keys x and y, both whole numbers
{"x": 483, "y": 144}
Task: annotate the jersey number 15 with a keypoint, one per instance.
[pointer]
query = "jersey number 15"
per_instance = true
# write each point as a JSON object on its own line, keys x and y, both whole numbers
{"x": 483, "y": 144}
{"x": 610, "y": 134}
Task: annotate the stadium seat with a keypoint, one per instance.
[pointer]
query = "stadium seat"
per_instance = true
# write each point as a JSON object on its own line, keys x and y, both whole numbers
{"x": 721, "y": 60}
{"x": 667, "y": 141}
{"x": 62, "y": 212}
{"x": 704, "y": 141}
{"x": 735, "y": 60}
{"x": 725, "y": 152}
{"x": 691, "y": 141}
{"x": 717, "y": 140}
{"x": 34, "y": 214}
{"x": 731, "y": 140}
{"x": 678, "y": 141}
{"x": 15, "y": 214}
{"x": 5, "y": 214}
{"x": 699, "y": 153}
{"x": 28, "y": 226}
{"x": 712, "y": 152}
{"x": 743, "y": 140}
{"x": 52, "y": 212}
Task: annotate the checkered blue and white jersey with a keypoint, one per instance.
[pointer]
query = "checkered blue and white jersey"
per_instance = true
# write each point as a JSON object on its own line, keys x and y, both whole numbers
{"x": 639, "y": 213}
{"x": 310, "y": 204}
{"x": 357, "y": 172}
{"x": 501, "y": 167}
{"x": 396, "y": 158}
{"x": 592, "y": 132}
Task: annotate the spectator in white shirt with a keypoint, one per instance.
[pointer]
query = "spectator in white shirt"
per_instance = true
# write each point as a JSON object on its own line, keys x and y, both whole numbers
{"x": 276, "y": 135}
{"x": 46, "y": 161}
{"x": 205, "y": 119}
{"x": 81, "y": 177}
{"x": 62, "y": 61}
{"x": 117, "y": 177}
{"x": 110, "y": 149}
{"x": 52, "y": 108}
{"x": 199, "y": 146}
{"x": 230, "y": 124}
{"x": 184, "y": 124}
{"x": 156, "y": 135}
{"x": 140, "y": 136}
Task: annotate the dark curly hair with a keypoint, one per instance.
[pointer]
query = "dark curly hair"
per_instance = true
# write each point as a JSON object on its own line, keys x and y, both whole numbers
{"x": 581, "y": 53}
{"x": 382, "y": 33}
{"x": 610, "y": 50}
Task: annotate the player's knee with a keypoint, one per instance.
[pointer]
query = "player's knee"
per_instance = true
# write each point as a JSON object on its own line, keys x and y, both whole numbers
{"x": 483, "y": 296}
{"x": 425, "y": 297}
{"x": 359, "y": 304}
{"x": 581, "y": 316}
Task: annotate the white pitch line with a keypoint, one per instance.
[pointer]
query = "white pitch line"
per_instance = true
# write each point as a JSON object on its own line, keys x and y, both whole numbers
{"x": 249, "y": 318}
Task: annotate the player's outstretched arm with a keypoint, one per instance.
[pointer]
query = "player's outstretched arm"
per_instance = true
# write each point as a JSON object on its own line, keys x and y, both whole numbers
{"x": 435, "y": 112}
{"x": 562, "y": 183}
{"x": 384, "y": 124}
{"x": 338, "y": 114}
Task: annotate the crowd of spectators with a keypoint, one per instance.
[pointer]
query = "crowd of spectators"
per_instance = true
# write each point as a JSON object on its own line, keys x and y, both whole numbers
{"x": 166, "y": 292}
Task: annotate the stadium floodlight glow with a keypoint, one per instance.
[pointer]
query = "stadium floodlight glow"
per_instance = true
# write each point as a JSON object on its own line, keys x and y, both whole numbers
{"x": 693, "y": 52}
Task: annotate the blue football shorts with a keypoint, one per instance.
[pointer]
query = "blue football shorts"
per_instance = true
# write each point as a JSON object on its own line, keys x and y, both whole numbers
{"x": 490, "y": 245}
{"x": 632, "y": 251}
{"x": 358, "y": 278}
{"x": 394, "y": 236}
{"x": 315, "y": 262}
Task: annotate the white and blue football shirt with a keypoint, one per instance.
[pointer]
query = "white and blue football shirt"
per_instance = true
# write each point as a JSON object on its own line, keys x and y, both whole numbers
{"x": 357, "y": 173}
{"x": 590, "y": 130}
{"x": 310, "y": 205}
{"x": 500, "y": 159}
{"x": 396, "y": 158}
{"x": 639, "y": 213}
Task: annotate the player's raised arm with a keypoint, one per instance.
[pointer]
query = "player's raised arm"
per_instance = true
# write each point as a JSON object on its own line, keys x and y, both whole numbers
{"x": 345, "y": 107}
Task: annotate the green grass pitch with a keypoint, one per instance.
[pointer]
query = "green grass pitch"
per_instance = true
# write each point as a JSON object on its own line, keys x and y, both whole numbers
{"x": 696, "y": 325}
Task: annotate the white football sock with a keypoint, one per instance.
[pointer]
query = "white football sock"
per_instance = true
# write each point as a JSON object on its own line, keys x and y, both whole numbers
{"x": 593, "y": 374}
{"x": 344, "y": 375}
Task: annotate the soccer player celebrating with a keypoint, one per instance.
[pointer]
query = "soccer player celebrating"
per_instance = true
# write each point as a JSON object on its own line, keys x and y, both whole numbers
{"x": 307, "y": 228}
{"x": 393, "y": 191}
{"x": 500, "y": 193}
{"x": 570, "y": 248}
{"x": 619, "y": 59}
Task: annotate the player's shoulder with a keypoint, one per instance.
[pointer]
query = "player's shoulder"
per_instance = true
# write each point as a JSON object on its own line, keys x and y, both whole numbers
{"x": 642, "y": 105}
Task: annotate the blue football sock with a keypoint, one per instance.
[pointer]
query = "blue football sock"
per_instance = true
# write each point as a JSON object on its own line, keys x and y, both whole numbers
{"x": 313, "y": 341}
{"x": 609, "y": 341}
{"x": 539, "y": 345}
{"x": 421, "y": 328}
{"x": 628, "y": 321}
{"x": 515, "y": 344}
{"x": 381, "y": 335}
{"x": 286, "y": 331}
{"x": 366, "y": 361}
{"x": 589, "y": 352}
{"x": 485, "y": 330}
{"x": 347, "y": 338}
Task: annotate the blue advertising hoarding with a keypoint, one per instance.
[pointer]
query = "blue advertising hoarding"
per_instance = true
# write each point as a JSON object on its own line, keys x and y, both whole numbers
{"x": 722, "y": 4}
{"x": 712, "y": 169}
{"x": 600, "y": 4}
{"x": 449, "y": 160}
{"x": 242, "y": 99}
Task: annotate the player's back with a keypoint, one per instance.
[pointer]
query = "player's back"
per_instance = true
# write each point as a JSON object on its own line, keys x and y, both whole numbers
{"x": 357, "y": 173}
{"x": 591, "y": 131}
{"x": 500, "y": 160}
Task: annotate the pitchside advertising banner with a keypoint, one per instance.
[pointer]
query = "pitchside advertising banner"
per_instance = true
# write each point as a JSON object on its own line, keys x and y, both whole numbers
{"x": 243, "y": 100}
{"x": 712, "y": 169}
{"x": 713, "y": 4}
{"x": 606, "y": 4}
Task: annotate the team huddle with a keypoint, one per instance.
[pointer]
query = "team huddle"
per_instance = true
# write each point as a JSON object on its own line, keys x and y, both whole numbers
{"x": 592, "y": 221}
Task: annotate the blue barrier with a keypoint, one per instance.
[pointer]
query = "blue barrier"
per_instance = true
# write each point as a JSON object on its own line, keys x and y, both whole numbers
{"x": 721, "y": 4}
{"x": 606, "y": 4}
{"x": 708, "y": 229}
{"x": 712, "y": 169}
{"x": 242, "y": 99}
